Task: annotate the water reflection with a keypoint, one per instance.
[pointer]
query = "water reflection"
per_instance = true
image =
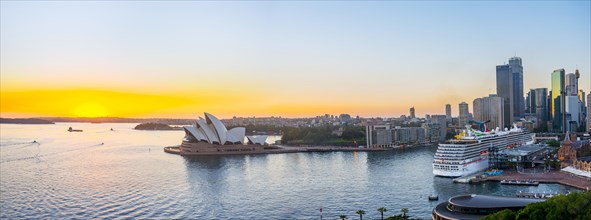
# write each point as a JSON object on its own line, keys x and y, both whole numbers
{"x": 130, "y": 177}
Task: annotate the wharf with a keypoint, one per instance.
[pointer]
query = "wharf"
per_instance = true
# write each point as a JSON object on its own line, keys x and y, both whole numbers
{"x": 535, "y": 195}
{"x": 520, "y": 182}
{"x": 549, "y": 177}
{"x": 471, "y": 178}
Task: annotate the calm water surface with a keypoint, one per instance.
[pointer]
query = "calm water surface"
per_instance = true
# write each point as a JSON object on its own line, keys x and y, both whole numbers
{"x": 74, "y": 175}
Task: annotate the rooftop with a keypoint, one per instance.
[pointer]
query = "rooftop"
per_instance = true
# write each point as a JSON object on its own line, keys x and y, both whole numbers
{"x": 485, "y": 201}
{"x": 523, "y": 150}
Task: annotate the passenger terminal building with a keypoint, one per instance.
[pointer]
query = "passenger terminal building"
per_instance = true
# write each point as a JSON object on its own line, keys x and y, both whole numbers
{"x": 477, "y": 206}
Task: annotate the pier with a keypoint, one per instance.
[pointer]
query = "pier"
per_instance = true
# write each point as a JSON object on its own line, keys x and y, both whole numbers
{"x": 549, "y": 177}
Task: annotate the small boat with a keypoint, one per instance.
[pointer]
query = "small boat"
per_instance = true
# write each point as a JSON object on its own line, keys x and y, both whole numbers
{"x": 520, "y": 182}
{"x": 434, "y": 197}
{"x": 74, "y": 130}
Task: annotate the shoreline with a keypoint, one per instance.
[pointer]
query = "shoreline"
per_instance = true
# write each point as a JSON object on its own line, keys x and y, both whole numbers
{"x": 282, "y": 150}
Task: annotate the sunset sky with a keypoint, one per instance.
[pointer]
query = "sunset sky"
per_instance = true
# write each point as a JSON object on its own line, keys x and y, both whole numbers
{"x": 291, "y": 59}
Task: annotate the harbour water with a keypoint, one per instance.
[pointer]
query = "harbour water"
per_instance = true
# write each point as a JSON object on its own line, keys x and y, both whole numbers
{"x": 124, "y": 173}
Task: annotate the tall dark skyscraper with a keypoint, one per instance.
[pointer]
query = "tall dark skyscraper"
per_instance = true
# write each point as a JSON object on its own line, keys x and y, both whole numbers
{"x": 557, "y": 100}
{"x": 412, "y": 112}
{"x": 510, "y": 87}
{"x": 539, "y": 105}
{"x": 448, "y": 111}
{"x": 517, "y": 72}
{"x": 464, "y": 114}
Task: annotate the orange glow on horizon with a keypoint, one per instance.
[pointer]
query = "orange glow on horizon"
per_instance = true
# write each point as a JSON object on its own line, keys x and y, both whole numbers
{"x": 91, "y": 110}
{"x": 190, "y": 104}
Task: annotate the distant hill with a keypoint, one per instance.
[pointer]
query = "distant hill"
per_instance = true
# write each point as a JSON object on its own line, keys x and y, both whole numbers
{"x": 121, "y": 120}
{"x": 24, "y": 121}
{"x": 155, "y": 126}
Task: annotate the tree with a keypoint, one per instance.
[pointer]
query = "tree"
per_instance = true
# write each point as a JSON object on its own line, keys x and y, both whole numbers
{"x": 382, "y": 210}
{"x": 404, "y": 212}
{"x": 553, "y": 143}
{"x": 360, "y": 213}
{"x": 571, "y": 206}
{"x": 505, "y": 214}
{"x": 343, "y": 217}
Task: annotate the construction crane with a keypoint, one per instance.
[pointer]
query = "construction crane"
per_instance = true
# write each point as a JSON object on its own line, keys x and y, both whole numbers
{"x": 481, "y": 125}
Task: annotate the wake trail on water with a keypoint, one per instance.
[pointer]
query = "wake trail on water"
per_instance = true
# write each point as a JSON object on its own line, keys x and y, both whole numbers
{"x": 38, "y": 157}
{"x": 19, "y": 143}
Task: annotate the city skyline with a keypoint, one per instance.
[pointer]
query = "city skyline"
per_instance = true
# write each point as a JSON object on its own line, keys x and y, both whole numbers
{"x": 375, "y": 59}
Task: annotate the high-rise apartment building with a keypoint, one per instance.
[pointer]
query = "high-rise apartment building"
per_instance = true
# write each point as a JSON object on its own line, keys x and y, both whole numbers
{"x": 589, "y": 113}
{"x": 530, "y": 102}
{"x": 570, "y": 84}
{"x": 442, "y": 121}
{"x": 464, "y": 117}
{"x": 448, "y": 111}
{"x": 510, "y": 87}
{"x": 517, "y": 72}
{"x": 574, "y": 102}
{"x": 490, "y": 108}
{"x": 557, "y": 101}
{"x": 540, "y": 105}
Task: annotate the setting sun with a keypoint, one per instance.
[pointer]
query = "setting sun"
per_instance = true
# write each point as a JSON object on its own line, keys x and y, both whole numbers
{"x": 90, "y": 110}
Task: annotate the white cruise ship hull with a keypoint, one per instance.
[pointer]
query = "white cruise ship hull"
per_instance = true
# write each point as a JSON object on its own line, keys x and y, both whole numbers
{"x": 463, "y": 170}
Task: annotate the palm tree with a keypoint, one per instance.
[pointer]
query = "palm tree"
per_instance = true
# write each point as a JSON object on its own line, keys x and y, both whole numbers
{"x": 404, "y": 211}
{"x": 382, "y": 210}
{"x": 343, "y": 217}
{"x": 360, "y": 213}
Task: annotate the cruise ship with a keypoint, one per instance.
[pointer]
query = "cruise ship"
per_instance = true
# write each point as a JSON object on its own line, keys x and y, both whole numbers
{"x": 468, "y": 152}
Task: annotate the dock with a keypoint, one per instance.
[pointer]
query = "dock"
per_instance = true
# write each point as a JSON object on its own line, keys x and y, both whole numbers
{"x": 471, "y": 178}
{"x": 520, "y": 182}
{"x": 559, "y": 177}
{"x": 535, "y": 195}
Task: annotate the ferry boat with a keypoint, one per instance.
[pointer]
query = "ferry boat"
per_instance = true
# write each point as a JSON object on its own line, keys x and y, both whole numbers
{"x": 468, "y": 152}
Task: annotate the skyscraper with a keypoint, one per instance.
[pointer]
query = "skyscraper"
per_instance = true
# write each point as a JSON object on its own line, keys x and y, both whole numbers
{"x": 464, "y": 114}
{"x": 448, "y": 111}
{"x": 589, "y": 113}
{"x": 412, "y": 112}
{"x": 557, "y": 101}
{"x": 510, "y": 87}
{"x": 517, "y": 74}
{"x": 540, "y": 105}
{"x": 583, "y": 116}
{"x": 530, "y": 101}
{"x": 570, "y": 84}
{"x": 490, "y": 108}
{"x": 505, "y": 90}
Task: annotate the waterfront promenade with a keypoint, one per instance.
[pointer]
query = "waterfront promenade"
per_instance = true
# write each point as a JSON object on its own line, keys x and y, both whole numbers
{"x": 550, "y": 177}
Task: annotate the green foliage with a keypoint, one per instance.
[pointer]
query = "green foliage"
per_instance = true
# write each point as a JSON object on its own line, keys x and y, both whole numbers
{"x": 553, "y": 143}
{"x": 404, "y": 212}
{"x": 352, "y": 136}
{"x": 255, "y": 129}
{"x": 360, "y": 213}
{"x": 153, "y": 126}
{"x": 382, "y": 210}
{"x": 342, "y": 217}
{"x": 505, "y": 214}
{"x": 403, "y": 216}
{"x": 572, "y": 206}
{"x": 352, "y": 133}
{"x": 395, "y": 217}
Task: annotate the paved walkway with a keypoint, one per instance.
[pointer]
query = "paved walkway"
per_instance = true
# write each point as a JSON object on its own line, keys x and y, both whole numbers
{"x": 550, "y": 177}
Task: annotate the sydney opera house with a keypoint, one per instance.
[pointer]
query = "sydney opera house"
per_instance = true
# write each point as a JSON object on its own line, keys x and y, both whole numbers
{"x": 210, "y": 136}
